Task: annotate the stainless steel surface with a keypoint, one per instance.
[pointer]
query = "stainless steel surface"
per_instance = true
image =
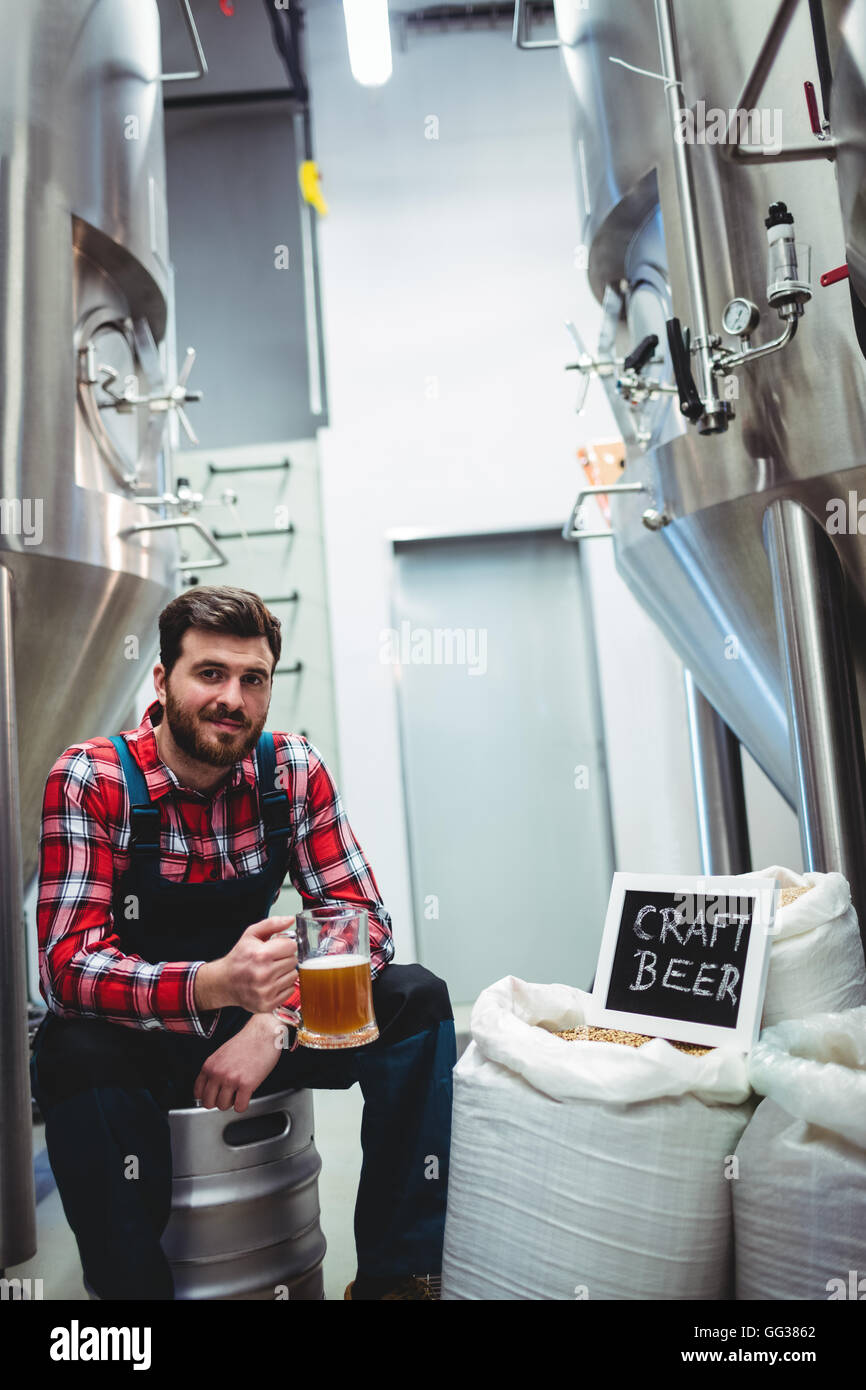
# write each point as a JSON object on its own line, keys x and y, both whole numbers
{"x": 17, "y": 1192}
{"x": 848, "y": 105}
{"x": 823, "y": 712}
{"x": 84, "y": 261}
{"x": 245, "y": 1212}
{"x": 720, "y": 798}
{"x": 714, "y": 413}
{"x": 800, "y": 426}
{"x": 84, "y": 279}
{"x": 818, "y": 148}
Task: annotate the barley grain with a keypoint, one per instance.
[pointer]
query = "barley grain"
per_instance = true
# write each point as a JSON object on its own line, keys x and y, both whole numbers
{"x": 616, "y": 1035}
{"x": 789, "y": 895}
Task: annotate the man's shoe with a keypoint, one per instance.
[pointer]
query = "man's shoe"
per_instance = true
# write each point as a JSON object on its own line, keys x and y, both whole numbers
{"x": 413, "y": 1286}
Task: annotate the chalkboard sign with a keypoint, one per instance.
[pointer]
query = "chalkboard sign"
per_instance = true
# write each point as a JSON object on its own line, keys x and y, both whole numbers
{"x": 685, "y": 958}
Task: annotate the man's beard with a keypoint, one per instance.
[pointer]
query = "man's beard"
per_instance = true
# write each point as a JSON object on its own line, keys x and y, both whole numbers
{"x": 216, "y": 747}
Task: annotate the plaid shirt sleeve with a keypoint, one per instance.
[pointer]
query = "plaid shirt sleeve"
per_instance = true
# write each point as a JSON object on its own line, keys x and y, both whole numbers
{"x": 327, "y": 865}
{"x": 82, "y": 971}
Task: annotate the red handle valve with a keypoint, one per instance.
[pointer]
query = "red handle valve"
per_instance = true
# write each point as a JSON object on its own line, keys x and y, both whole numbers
{"x": 830, "y": 277}
{"x": 812, "y": 107}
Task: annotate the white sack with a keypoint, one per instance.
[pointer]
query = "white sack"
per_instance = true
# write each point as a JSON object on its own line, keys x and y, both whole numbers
{"x": 800, "y": 1193}
{"x": 816, "y": 961}
{"x": 587, "y": 1169}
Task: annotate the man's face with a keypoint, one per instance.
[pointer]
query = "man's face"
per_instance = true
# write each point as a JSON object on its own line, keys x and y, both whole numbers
{"x": 216, "y": 699}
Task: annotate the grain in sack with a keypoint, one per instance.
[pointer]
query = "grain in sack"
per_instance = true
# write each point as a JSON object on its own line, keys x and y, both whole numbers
{"x": 816, "y": 960}
{"x": 587, "y": 1169}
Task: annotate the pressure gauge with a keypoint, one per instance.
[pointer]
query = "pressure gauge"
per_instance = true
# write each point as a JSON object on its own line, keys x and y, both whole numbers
{"x": 741, "y": 317}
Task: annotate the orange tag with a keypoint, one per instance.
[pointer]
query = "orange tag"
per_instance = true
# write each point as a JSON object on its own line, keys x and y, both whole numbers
{"x": 602, "y": 462}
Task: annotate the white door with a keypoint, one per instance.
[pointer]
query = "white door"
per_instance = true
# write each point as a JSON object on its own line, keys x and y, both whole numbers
{"x": 503, "y": 758}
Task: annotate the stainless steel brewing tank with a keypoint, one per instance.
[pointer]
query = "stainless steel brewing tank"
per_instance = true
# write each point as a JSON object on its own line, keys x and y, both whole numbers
{"x": 84, "y": 279}
{"x": 800, "y": 427}
{"x": 849, "y": 124}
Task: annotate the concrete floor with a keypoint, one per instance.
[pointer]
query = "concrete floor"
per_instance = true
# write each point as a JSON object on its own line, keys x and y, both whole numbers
{"x": 337, "y": 1130}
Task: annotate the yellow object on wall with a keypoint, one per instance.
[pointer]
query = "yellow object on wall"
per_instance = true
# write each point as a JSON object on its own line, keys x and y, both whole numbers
{"x": 308, "y": 178}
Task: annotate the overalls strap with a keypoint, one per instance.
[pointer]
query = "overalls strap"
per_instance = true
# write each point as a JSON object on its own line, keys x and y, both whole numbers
{"x": 273, "y": 798}
{"x": 144, "y": 816}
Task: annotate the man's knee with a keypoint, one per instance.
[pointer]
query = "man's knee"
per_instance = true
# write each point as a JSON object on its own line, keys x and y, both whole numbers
{"x": 409, "y": 999}
{"x": 75, "y": 1055}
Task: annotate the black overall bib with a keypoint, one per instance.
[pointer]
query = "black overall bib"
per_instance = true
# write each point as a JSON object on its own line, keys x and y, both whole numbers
{"x": 159, "y": 919}
{"x": 104, "y": 1089}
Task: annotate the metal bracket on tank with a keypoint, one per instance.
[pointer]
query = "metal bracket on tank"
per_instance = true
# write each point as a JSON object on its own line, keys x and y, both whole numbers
{"x": 521, "y": 27}
{"x": 572, "y": 532}
{"x": 732, "y": 148}
{"x": 175, "y": 523}
{"x": 186, "y": 12}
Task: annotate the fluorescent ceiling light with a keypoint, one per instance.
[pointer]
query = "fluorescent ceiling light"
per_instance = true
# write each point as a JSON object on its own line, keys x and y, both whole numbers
{"x": 369, "y": 39}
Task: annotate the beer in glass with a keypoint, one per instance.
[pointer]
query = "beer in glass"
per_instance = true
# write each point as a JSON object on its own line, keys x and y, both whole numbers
{"x": 334, "y": 977}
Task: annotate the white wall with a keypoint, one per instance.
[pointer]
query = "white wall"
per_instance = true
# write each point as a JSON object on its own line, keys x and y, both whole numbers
{"x": 447, "y": 269}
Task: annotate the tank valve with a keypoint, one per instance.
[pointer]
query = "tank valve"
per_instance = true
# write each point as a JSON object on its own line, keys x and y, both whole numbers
{"x": 789, "y": 264}
{"x": 691, "y": 404}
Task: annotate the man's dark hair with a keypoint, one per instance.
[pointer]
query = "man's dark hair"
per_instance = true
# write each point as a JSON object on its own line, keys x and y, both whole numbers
{"x": 218, "y": 609}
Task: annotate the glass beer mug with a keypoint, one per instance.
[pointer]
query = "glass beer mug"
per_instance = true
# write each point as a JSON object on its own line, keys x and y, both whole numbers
{"x": 334, "y": 977}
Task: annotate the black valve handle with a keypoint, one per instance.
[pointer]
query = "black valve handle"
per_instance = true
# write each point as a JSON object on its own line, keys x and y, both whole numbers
{"x": 639, "y": 356}
{"x": 691, "y": 404}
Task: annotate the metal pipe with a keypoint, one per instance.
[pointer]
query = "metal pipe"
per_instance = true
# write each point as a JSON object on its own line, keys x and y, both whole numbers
{"x": 216, "y": 468}
{"x": 754, "y": 84}
{"x": 792, "y": 154}
{"x": 264, "y": 531}
{"x": 714, "y": 408}
{"x": 748, "y": 101}
{"x": 519, "y": 28}
{"x": 17, "y": 1193}
{"x": 179, "y": 523}
{"x": 309, "y": 261}
{"x": 738, "y": 358}
{"x": 823, "y": 708}
{"x": 720, "y": 797}
{"x": 201, "y": 70}
{"x": 203, "y": 100}
{"x": 571, "y": 531}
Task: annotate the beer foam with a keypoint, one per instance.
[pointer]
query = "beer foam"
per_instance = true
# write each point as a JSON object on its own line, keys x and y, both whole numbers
{"x": 328, "y": 962}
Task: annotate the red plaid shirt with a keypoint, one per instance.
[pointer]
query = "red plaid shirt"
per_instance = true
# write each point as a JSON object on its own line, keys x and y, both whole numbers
{"x": 84, "y": 847}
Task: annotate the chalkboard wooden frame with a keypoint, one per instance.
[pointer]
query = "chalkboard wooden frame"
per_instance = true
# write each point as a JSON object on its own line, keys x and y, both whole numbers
{"x": 744, "y": 1034}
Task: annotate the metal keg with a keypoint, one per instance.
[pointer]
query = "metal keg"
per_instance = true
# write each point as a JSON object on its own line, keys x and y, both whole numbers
{"x": 244, "y": 1221}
